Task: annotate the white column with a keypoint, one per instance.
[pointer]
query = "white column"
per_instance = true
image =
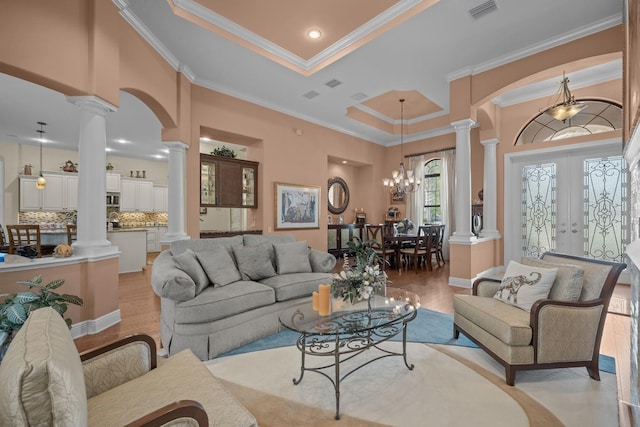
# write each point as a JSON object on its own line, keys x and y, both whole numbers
{"x": 92, "y": 156}
{"x": 462, "y": 233}
{"x": 490, "y": 196}
{"x": 176, "y": 202}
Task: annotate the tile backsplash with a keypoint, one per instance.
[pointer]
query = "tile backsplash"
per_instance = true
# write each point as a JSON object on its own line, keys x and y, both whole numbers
{"x": 133, "y": 219}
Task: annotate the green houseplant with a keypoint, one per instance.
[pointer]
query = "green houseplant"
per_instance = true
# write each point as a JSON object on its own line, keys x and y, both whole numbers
{"x": 15, "y": 309}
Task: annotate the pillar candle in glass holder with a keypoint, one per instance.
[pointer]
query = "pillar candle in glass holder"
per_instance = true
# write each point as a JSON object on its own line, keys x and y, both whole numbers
{"x": 314, "y": 303}
{"x": 324, "y": 300}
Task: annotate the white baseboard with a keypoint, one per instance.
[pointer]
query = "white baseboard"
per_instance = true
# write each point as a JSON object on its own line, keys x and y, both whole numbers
{"x": 89, "y": 327}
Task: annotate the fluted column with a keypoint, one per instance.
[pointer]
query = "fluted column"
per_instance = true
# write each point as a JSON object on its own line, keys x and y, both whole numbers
{"x": 490, "y": 196}
{"x": 176, "y": 202}
{"x": 92, "y": 156}
{"x": 462, "y": 233}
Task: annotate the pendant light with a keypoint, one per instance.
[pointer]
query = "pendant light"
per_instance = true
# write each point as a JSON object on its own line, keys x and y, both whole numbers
{"x": 41, "y": 182}
{"x": 568, "y": 107}
{"x": 398, "y": 184}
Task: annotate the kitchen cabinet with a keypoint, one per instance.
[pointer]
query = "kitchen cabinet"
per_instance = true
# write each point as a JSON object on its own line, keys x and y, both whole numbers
{"x": 136, "y": 196}
{"x": 229, "y": 183}
{"x": 132, "y": 246}
{"x": 60, "y": 194}
{"x": 160, "y": 199}
{"x": 113, "y": 182}
{"x": 154, "y": 236}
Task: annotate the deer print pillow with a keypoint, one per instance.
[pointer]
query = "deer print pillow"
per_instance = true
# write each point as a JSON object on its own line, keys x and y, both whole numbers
{"x": 522, "y": 285}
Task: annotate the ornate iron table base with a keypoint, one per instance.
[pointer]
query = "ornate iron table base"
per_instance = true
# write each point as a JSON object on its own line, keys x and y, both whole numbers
{"x": 350, "y": 345}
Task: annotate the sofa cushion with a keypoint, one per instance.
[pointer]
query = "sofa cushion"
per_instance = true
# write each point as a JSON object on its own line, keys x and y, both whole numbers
{"x": 258, "y": 239}
{"x": 255, "y": 262}
{"x": 198, "y": 245}
{"x": 506, "y": 322}
{"x": 522, "y": 285}
{"x": 169, "y": 281}
{"x": 181, "y": 377}
{"x": 296, "y": 285}
{"x": 568, "y": 283}
{"x": 219, "y": 266}
{"x": 216, "y": 303}
{"x": 292, "y": 257}
{"x": 41, "y": 378}
{"x": 321, "y": 262}
{"x": 188, "y": 262}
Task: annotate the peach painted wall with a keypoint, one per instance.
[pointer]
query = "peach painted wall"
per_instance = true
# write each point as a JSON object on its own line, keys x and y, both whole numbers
{"x": 95, "y": 282}
{"x": 284, "y": 156}
{"x": 472, "y": 260}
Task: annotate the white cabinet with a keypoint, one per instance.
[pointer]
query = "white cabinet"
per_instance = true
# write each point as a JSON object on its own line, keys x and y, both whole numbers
{"x": 113, "y": 182}
{"x": 160, "y": 195}
{"x": 60, "y": 193}
{"x": 30, "y": 196}
{"x": 136, "y": 196}
{"x": 154, "y": 236}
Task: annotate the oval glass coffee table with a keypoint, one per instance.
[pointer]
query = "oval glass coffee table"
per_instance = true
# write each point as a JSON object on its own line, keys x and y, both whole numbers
{"x": 349, "y": 331}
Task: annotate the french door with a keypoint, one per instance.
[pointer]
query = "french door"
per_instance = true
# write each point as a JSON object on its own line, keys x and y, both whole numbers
{"x": 571, "y": 200}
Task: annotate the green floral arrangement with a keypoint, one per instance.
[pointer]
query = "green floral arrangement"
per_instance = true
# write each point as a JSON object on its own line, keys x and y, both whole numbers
{"x": 358, "y": 282}
{"x": 224, "y": 152}
{"x": 15, "y": 309}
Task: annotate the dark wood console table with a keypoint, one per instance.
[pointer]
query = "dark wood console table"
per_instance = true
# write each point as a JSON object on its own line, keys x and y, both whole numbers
{"x": 339, "y": 234}
{"x": 212, "y": 234}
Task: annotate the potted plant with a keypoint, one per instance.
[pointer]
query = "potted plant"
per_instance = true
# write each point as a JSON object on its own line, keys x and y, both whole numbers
{"x": 16, "y": 308}
{"x": 224, "y": 152}
{"x": 360, "y": 281}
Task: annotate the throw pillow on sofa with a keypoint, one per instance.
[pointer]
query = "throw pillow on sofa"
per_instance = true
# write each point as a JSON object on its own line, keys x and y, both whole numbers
{"x": 219, "y": 266}
{"x": 188, "y": 263}
{"x": 254, "y": 262}
{"x": 292, "y": 257}
{"x": 523, "y": 285}
{"x": 568, "y": 283}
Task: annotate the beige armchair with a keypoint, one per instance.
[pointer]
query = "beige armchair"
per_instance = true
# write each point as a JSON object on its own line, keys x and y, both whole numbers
{"x": 43, "y": 381}
{"x": 557, "y": 332}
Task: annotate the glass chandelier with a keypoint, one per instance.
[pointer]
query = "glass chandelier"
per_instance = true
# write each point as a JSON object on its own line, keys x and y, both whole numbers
{"x": 399, "y": 184}
{"x": 568, "y": 107}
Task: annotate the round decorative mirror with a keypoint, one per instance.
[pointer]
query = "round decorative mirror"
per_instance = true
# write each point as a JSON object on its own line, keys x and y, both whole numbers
{"x": 338, "y": 193}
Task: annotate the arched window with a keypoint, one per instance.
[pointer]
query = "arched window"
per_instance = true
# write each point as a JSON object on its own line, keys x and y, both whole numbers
{"x": 431, "y": 185}
{"x": 598, "y": 116}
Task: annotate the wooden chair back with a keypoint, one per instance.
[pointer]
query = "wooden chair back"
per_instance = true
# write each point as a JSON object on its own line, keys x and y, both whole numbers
{"x": 4, "y": 243}
{"x": 72, "y": 233}
{"x": 24, "y": 235}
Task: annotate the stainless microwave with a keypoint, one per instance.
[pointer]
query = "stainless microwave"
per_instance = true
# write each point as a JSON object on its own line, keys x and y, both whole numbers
{"x": 113, "y": 199}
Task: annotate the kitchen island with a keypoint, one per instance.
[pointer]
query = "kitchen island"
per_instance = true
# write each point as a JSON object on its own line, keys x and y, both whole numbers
{"x": 132, "y": 243}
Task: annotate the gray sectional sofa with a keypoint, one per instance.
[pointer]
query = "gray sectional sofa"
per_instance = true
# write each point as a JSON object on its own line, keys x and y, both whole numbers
{"x": 219, "y": 294}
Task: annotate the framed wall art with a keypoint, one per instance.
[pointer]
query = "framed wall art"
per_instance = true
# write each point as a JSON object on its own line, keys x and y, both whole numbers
{"x": 296, "y": 206}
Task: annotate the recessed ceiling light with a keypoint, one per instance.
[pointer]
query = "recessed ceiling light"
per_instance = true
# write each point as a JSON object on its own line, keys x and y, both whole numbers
{"x": 344, "y": 162}
{"x": 158, "y": 156}
{"x": 166, "y": 150}
{"x": 108, "y": 149}
{"x": 314, "y": 34}
{"x": 204, "y": 138}
{"x": 122, "y": 141}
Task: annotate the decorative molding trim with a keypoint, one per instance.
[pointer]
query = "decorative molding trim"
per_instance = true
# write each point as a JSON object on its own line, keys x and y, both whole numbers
{"x": 463, "y": 124}
{"x": 493, "y": 272}
{"x": 90, "y": 327}
{"x": 175, "y": 145}
{"x": 336, "y": 48}
{"x": 93, "y": 103}
{"x": 579, "y": 33}
{"x": 389, "y": 120}
{"x": 490, "y": 141}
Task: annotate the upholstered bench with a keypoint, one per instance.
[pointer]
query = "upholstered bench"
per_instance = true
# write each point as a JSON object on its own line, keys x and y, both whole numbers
{"x": 44, "y": 381}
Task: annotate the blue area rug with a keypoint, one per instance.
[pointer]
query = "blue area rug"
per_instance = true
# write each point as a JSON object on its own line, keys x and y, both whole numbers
{"x": 428, "y": 327}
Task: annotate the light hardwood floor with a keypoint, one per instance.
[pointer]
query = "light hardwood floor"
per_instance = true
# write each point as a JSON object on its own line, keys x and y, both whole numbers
{"x": 140, "y": 312}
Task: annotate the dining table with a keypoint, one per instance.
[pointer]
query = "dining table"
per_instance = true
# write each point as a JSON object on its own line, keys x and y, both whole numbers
{"x": 398, "y": 239}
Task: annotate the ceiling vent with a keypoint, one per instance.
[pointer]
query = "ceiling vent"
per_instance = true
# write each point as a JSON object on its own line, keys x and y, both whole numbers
{"x": 311, "y": 94}
{"x": 358, "y": 96}
{"x": 333, "y": 83}
{"x": 483, "y": 9}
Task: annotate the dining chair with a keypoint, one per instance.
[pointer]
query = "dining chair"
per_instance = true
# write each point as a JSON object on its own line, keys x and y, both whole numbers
{"x": 24, "y": 235}
{"x": 438, "y": 245}
{"x": 4, "y": 243}
{"x": 72, "y": 233}
{"x": 421, "y": 248}
{"x": 377, "y": 239}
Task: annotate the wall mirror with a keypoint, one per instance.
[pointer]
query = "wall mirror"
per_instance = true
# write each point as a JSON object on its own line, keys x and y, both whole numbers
{"x": 338, "y": 193}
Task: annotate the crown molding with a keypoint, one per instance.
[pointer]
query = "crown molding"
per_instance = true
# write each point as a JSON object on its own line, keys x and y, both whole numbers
{"x": 579, "y": 33}
{"x": 350, "y": 39}
{"x": 391, "y": 121}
